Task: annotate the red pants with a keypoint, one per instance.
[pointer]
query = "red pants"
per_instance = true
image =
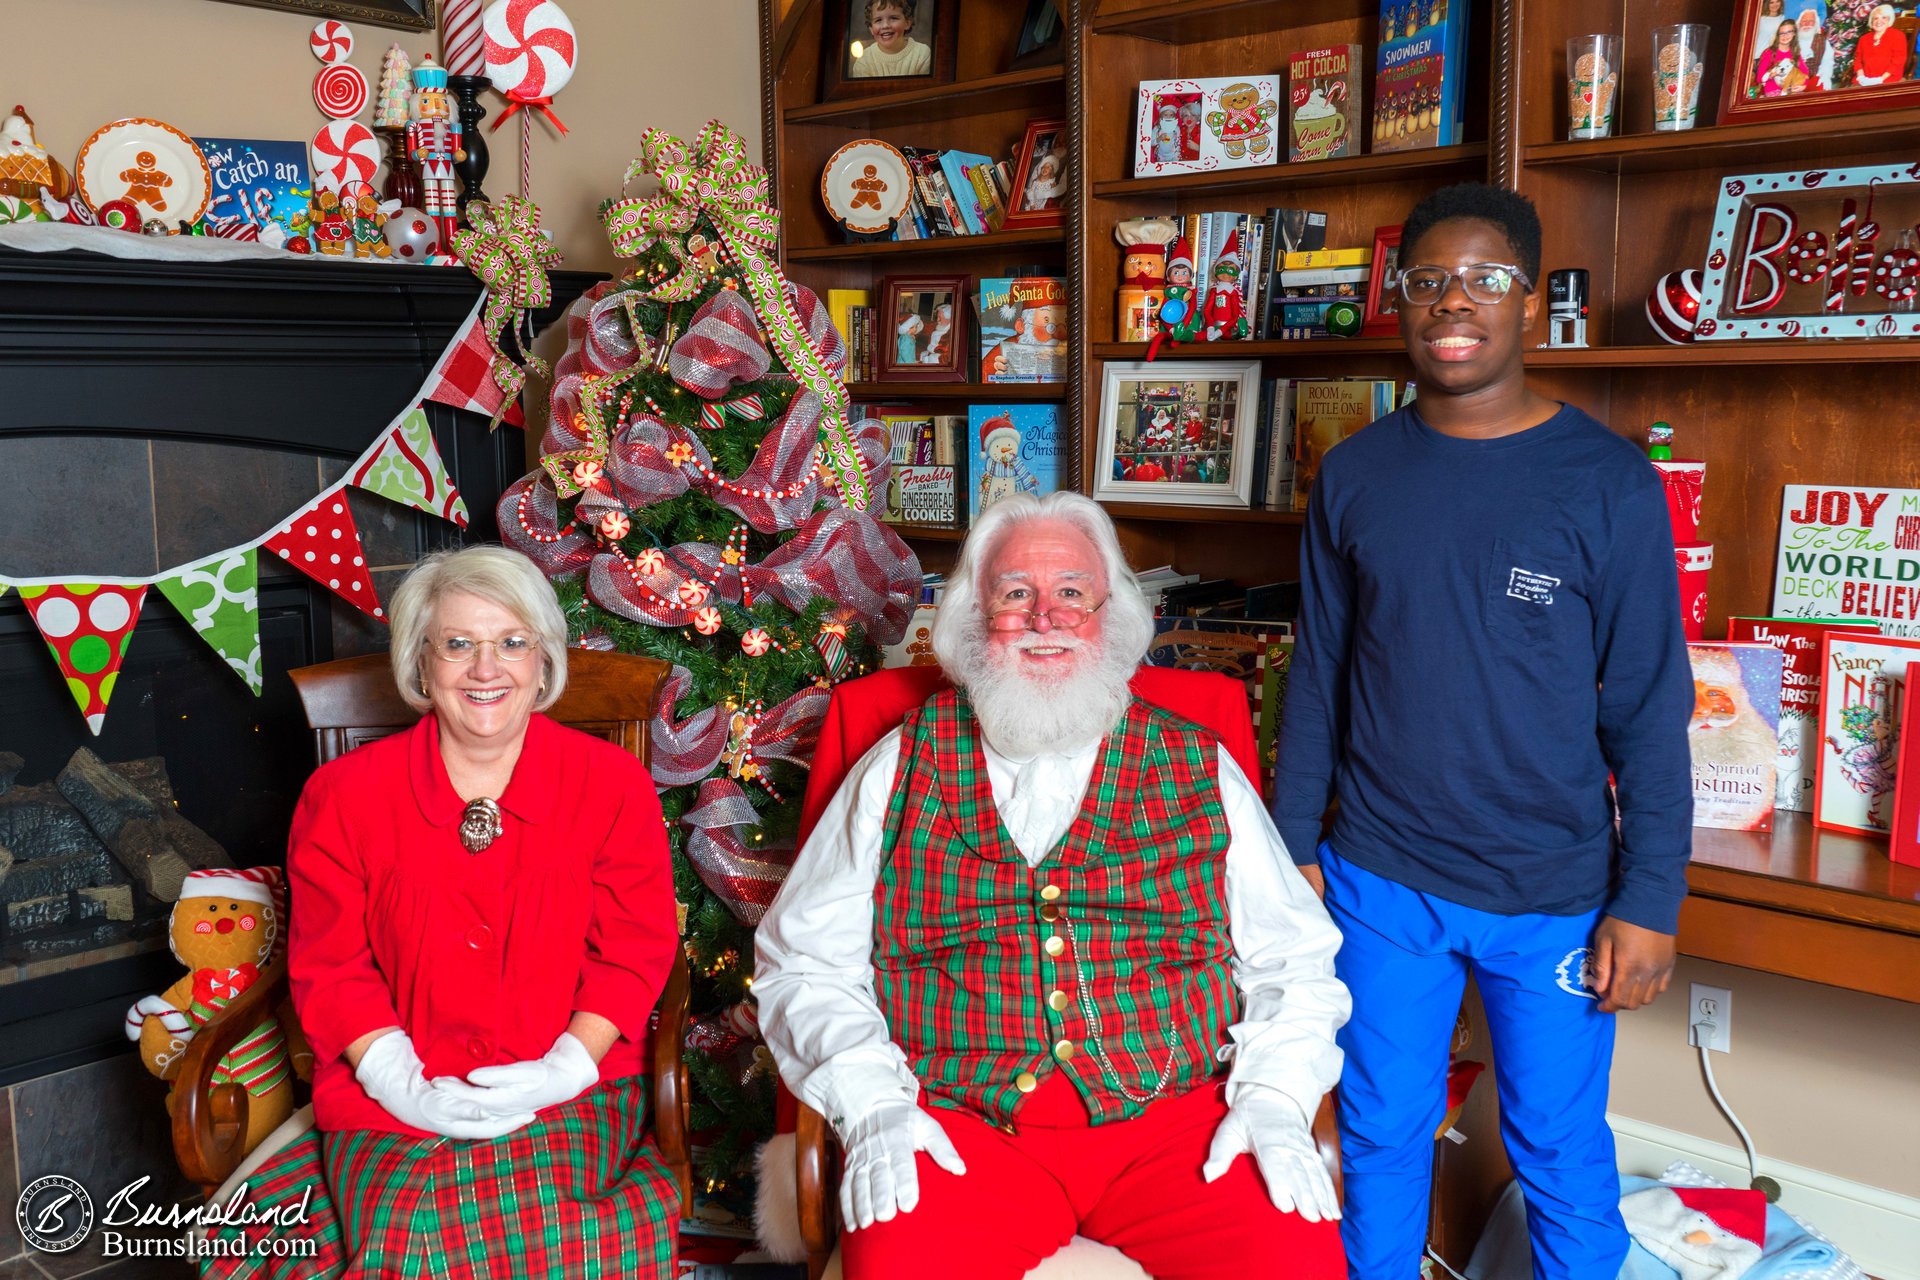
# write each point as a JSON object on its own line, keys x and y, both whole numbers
{"x": 1134, "y": 1185}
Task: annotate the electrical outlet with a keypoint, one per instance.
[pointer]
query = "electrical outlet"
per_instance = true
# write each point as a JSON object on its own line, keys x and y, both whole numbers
{"x": 1712, "y": 1005}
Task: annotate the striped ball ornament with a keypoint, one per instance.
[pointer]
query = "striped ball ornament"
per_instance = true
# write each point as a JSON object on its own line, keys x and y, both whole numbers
{"x": 1673, "y": 308}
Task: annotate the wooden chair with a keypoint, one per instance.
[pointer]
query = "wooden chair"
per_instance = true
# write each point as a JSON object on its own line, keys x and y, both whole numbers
{"x": 352, "y": 702}
{"x": 860, "y": 714}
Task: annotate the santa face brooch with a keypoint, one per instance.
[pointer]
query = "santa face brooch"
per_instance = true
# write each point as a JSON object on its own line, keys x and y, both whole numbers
{"x": 480, "y": 824}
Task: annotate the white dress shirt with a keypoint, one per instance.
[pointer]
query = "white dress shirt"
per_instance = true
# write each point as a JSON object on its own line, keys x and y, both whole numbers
{"x": 813, "y": 951}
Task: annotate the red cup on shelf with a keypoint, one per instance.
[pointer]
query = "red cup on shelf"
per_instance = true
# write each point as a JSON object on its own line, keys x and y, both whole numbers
{"x": 1683, "y": 478}
{"x": 1693, "y": 559}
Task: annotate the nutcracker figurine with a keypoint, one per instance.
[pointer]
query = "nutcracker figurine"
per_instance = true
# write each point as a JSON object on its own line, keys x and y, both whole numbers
{"x": 433, "y": 138}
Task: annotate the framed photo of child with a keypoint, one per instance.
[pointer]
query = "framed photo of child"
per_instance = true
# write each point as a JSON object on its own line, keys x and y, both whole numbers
{"x": 1382, "y": 316}
{"x": 884, "y": 46}
{"x": 1179, "y": 433}
{"x": 923, "y": 329}
{"x": 1040, "y": 177}
{"x": 1789, "y": 59}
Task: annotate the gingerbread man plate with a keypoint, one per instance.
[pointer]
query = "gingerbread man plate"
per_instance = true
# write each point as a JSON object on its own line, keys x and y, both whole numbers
{"x": 150, "y": 164}
{"x": 865, "y": 185}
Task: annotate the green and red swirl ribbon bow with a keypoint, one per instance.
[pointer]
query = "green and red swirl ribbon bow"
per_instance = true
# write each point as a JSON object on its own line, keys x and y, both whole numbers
{"x": 505, "y": 249}
{"x": 714, "y": 177}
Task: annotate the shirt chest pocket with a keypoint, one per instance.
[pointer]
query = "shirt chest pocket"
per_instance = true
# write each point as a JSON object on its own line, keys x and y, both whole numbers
{"x": 1525, "y": 587}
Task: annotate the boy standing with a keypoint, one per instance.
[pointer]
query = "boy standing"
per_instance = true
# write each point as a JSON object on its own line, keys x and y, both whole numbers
{"x": 1490, "y": 626}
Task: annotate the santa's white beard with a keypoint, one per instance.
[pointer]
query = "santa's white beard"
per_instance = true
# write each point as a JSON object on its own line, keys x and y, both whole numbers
{"x": 1026, "y": 712}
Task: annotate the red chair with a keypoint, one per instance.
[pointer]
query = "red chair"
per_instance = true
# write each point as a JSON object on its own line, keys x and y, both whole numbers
{"x": 862, "y": 712}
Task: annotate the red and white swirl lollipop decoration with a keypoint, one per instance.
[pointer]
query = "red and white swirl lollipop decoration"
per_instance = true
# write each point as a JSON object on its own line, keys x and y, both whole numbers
{"x": 331, "y": 41}
{"x": 343, "y": 151}
{"x": 531, "y": 51}
{"x": 340, "y": 91}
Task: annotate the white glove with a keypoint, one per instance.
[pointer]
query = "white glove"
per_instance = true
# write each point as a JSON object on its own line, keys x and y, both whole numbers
{"x": 391, "y": 1073}
{"x": 1269, "y": 1124}
{"x": 878, "y": 1178}
{"x": 566, "y": 1072}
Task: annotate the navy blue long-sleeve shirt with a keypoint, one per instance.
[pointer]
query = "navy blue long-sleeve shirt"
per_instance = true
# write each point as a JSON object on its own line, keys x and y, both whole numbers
{"x": 1487, "y": 628}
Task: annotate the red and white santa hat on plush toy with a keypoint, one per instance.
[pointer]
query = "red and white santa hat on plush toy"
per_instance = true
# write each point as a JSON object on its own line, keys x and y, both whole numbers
{"x": 1704, "y": 1233}
{"x": 242, "y": 884}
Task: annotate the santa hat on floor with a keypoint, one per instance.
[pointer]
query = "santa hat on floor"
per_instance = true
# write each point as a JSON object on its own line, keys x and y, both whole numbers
{"x": 1704, "y": 1233}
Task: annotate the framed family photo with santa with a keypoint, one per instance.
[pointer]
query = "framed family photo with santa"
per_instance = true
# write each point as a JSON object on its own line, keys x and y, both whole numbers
{"x": 1179, "y": 436}
{"x": 1803, "y": 58}
{"x": 925, "y": 333}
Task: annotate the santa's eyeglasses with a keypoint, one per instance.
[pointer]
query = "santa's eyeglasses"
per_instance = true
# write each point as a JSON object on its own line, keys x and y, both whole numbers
{"x": 1064, "y": 617}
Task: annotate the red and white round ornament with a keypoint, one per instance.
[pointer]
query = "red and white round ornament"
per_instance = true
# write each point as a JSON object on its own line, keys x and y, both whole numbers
{"x": 692, "y": 593}
{"x": 530, "y": 48}
{"x": 587, "y": 473}
{"x": 706, "y": 621}
{"x": 340, "y": 91}
{"x": 331, "y": 41}
{"x": 343, "y": 151}
{"x": 756, "y": 642}
{"x": 1673, "y": 308}
{"x": 614, "y": 526}
{"x": 651, "y": 561}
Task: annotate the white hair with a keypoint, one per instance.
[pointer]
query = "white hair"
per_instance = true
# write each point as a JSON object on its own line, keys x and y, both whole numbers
{"x": 1072, "y": 712}
{"x": 496, "y": 574}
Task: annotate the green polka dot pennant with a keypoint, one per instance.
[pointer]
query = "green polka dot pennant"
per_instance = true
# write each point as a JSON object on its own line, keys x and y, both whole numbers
{"x": 87, "y": 627}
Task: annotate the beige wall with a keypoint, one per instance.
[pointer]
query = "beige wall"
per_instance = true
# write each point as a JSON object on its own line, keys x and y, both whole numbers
{"x": 214, "y": 69}
{"x": 1823, "y": 1078}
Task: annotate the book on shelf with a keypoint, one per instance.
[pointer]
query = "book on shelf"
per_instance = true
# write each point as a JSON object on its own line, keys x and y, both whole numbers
{"x": 1238, "y": 648}
{"x": 1419, "y": 74}
{"x": 1155, "y": 582}
{"x": 1023, "y": 329}
{"x": 1309, "y": 259}
{"x": 1862, "y": 685}
{"x": 1018, "y": 448}
{"x": 841, "y": 304}
{"x": 954, "y": 165}
{"x": 1734, "y": 735}
{"x": 1327, "y": 411}
{"x": 1798, "y": 640}
{"x": 1276, "y": 479}
{"x": 1323, "y": 103}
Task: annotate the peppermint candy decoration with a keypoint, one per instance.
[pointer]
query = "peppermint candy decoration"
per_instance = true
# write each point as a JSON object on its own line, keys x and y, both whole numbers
{"x": 587, "y": 473}
{"x": 343, "y": 151}
{"x": 331, "y": 41}
{"x": 1897, "y": 276}
{"x": 234, "y": 230}
{"x": 706, "y": 621}
{"x": 651, "y": 561}
{"x": 614, "y": 526}
{"x": 340, "y": 91}
{"x": 530, "y": 48}
{"x": 756, "y": 642}
{"x": 1807, "y": 258}
{"x": 692, "y": 593}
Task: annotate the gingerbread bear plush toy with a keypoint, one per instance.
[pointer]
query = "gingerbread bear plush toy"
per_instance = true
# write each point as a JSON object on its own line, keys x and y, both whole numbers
{"x": 225, "y": 928}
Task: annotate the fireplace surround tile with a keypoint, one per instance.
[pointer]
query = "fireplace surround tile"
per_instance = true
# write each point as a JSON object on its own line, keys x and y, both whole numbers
{"x": 83, "y": 505}
{"x": 210, "y": 496}
{"x": 10, "y": 1241}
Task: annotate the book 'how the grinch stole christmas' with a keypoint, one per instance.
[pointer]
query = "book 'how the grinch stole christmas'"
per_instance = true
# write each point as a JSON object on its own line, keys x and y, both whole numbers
{"x": 703, "y": 499}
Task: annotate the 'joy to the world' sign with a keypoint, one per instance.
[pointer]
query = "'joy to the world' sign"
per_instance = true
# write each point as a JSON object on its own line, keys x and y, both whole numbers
{"x": 1815, "y": 254}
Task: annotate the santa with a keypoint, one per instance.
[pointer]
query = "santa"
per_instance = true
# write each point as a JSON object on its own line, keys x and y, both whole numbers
{"x": 1003, "y": 472}
{"x": 1044, "y": 964}
{"x": 1037, "y": 351}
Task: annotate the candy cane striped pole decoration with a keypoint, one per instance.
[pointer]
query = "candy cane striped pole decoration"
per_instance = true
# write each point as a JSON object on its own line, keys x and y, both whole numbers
{"x": 462, "y": 45}
{"x": 1842, "y": 255}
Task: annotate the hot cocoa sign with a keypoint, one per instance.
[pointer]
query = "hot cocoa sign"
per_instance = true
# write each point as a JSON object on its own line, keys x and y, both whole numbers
{"x": 1820, "y": 253}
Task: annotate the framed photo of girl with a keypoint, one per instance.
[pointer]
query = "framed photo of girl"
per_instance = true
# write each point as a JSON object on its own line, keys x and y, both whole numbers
{"x": 1040, "y": 177}
{"x": 923, "y": 329}
{"x": 1793, "y": 59}
{"x": 885, "y": 46}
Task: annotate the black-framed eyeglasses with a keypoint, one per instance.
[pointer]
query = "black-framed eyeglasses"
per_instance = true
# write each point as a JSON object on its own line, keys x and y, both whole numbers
{"x": 1485, "y": 283}
{"x": 1065, "y": 617}
{"x": 465, "y": 649}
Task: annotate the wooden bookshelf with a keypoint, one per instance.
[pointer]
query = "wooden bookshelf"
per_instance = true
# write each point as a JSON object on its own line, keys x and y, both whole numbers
{"x": 1468, "y": 160}
{"x": 1724, "y": 355}
{"x": 1764, "y": 146}
{"x": 1331, "y": 348}
{"x": 1035, "y": 88}
{"x": 1203, "y": 21}
{"x": 1019, "y": 392}
{"x": 945, "y": 246}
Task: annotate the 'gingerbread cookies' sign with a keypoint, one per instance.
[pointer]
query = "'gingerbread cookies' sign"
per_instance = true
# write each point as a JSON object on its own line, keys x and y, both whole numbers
{"x": 1195, "y": 126}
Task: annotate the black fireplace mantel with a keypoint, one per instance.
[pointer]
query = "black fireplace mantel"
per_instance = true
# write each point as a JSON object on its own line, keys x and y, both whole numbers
{"x": 300, "y": 357}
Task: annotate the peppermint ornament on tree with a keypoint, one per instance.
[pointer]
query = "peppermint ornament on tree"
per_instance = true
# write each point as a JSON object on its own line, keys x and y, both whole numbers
{"x": 712, "y": 422}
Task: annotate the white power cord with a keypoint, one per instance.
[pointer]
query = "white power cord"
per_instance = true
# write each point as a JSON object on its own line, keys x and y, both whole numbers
{"x": 1703, "y": 1033}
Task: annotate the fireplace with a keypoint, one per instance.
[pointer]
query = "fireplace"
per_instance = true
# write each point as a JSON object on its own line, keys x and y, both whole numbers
{"x": 154, "y": 412}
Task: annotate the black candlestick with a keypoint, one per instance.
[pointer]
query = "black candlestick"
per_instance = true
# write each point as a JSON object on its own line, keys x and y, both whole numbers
{"x": 473, "y": 170}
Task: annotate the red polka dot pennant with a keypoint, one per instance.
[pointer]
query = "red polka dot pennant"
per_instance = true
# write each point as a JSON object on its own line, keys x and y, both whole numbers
{"x": 87, "y": 626}
{"x": 323, "y": 543}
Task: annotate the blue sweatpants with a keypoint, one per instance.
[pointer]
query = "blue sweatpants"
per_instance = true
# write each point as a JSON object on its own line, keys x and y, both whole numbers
{"x": 1405, "y": 958}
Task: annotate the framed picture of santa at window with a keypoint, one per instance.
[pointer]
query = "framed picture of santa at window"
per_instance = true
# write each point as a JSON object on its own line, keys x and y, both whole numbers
{"x": 1178, "y": 435}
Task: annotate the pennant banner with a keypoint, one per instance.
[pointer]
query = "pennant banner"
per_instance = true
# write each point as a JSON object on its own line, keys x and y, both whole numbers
{"x": 220, "y": 596}
{"x": 407, "y": 469}
{"x": 324, "y": 543}
{"x": 87, "y": 626}
{"x": 463, "y": 377}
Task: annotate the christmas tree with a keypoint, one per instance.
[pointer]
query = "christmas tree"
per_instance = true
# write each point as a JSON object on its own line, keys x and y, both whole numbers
{"x": 702, "y": 498}
{"x": 396, "y": 87}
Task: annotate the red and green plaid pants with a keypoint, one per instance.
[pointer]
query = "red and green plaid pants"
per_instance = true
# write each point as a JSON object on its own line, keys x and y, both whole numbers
{"x": 580, "y": 1192}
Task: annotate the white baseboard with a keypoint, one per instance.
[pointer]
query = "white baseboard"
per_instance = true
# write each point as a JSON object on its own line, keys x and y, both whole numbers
{"x": 1879, "y": 1229}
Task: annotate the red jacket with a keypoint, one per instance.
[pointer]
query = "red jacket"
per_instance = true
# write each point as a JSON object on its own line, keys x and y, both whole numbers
{"x": 481, "y": 958}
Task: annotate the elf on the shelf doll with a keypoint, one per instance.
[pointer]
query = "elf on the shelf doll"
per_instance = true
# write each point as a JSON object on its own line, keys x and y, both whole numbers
{"x": 1028, "y": 934}
{"x": 1225, "y": 312}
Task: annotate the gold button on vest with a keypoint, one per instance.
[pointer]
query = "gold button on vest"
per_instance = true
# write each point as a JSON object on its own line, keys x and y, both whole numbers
{"x": 1063, "y": 1050}
{"x": 1050, "y": 892}
{"x": 1058, "y": 1001}
{"x": 1049, "y": 913}
{"x": 1026, "y": 1082}
{"x": 1054, "y": 946}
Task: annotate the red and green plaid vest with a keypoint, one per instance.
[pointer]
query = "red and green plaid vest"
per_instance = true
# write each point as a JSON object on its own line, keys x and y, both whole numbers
{"x": 1111, "y": 960}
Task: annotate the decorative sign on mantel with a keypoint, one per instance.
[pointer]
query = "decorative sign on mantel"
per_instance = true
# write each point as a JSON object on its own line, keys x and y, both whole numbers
{"x": 1818, "y": 253}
